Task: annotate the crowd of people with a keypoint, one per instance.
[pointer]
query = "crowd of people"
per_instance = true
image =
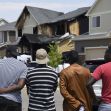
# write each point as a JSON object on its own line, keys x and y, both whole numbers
{"x": 42, "y": 81}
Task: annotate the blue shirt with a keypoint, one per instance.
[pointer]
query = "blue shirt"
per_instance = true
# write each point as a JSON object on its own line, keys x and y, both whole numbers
{"x": 11, "y": 70}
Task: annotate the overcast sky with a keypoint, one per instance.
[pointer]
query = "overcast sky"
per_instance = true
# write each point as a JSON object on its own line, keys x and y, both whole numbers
{"x": 11, "y": 9}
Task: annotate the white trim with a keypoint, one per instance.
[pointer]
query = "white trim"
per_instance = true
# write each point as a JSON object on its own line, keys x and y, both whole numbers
{"x": 87, "y": 14}
{"x": 28, "y": 26}
{"x": 96, "y": 19}
{"x": 100, "y": 13}
{"x": 98, "y": 33}
{"x": 98, "y": 47}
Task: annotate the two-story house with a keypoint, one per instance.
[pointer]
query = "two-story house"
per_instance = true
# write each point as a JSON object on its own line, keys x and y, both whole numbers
{"x": 8, "y": 35}
{"x": 99, "y": 30}
{"x": 73, "y": 23}
{"x": 31, "y": 24}
{"x": 34, "y": 22}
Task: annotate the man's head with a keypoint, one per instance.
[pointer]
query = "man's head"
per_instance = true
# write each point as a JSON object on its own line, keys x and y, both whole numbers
{"x": 42, "y": 56}
{"x": 107, "y": 56}
{"x": 73, "y": 57}
{"x": 11, "y": 51}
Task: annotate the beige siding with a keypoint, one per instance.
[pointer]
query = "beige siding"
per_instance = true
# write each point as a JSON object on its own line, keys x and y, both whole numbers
{"x": 105, "y": 24}
{"x": 46, "y": 30}
{"x": 2, "y": 52}
{"x": 102, "y": 9}
{"x": 12, "y": 36}
{"x": 102, "y": 6}
{"x": 29, "y": 24}
{"x": 94, "y": 52}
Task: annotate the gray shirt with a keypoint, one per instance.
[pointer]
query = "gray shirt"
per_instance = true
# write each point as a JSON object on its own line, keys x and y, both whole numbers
{"x": 11, "y": 70}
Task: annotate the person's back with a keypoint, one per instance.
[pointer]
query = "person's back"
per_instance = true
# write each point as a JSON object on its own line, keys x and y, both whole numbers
{"x": 73, "y": 82}
{"x": 10, "y": 72}
{"x": 42, "y": 82}
{"x": 103, "y": 72}
{"x": 12, "y": 80}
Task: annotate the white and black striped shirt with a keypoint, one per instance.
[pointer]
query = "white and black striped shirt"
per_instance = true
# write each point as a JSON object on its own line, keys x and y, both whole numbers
{"x": 42, "y": 83}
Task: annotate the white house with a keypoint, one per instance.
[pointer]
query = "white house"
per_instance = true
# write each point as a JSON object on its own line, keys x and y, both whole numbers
{"x": 2, "y": 21}
{"x": 8, "y": 33}
{"x": 100, "y": 17}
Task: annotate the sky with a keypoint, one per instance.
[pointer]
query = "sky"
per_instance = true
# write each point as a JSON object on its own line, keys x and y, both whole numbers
{"x": 10, "y": 10}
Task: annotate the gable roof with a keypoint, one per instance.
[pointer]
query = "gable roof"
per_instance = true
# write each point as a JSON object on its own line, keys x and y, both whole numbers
{"x": 72, "y": 14}
{"x": 92, "y": 7}
{"x": 1, "y": 19}
{"x": 8, "y": 26}
{"x": 40, "y": 15}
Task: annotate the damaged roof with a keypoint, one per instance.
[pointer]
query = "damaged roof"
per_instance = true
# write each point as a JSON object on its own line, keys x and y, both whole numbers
{"x": 41, "y": 15}
{"x": 40, "y": 39}
{"x": 43, "y": 39}
{"x": 72, "y": 14}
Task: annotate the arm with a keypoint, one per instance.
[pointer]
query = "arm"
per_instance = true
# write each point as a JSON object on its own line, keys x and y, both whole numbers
{"x": 14, "y": 87}
{"x": 90, "y": 88}
{"x": 63, "y": 89}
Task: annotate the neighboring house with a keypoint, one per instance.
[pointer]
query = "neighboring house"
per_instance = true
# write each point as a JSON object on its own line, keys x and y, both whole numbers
{"x": 50, "y": 24}
{"x": 2, "y": 21}
{"x": 75, "y": 23}
{"x": 8, "y": 35}
{"x": 99, "y": 29}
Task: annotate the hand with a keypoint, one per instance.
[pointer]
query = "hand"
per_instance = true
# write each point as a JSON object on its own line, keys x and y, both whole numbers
{"x": 2, "y": 90}
{"x": 82, "y": 108}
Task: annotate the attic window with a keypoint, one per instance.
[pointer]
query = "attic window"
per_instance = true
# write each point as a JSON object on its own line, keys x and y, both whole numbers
{"x": 96, "y": 21}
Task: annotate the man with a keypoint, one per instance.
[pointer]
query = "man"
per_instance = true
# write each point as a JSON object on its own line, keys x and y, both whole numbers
{"x": 42, "y": 83}
{"x": 73, "y": 81}
{"x": 12, "y": 80}
{"x": 103, "y": 72}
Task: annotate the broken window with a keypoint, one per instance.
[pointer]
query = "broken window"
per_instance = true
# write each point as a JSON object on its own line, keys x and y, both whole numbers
{"x": 19, "y": 32}
{"x": 35, "y": 30}
{"x": 60, "y": 29}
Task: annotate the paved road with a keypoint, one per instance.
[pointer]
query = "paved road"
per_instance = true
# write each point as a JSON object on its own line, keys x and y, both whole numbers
{"x": 58, "y": 100}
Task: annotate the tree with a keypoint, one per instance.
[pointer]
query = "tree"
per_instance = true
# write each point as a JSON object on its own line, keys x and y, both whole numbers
{"x": 54, "y": 56}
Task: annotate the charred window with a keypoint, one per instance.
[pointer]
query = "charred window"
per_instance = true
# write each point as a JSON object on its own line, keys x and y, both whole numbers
{"x": 35, "y": 30}
{"x": 60, "y": 29}
{"x": 19, "y": 32}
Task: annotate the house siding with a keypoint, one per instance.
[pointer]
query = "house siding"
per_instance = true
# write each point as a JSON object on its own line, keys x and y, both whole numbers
{"x": 103, "y": 10}
{"x": 102, "y": 6}
{"x": 29, "y": 24}
{"x": 80, "y": 45}
{"x": 1, "y": 37}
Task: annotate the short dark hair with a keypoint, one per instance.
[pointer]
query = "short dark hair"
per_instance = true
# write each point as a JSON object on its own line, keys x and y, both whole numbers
{"x": 65, "y": 57}
{"x": 107, "y": 56}
{"x": 73, "y": 57}
{"x": 11, "y": 50}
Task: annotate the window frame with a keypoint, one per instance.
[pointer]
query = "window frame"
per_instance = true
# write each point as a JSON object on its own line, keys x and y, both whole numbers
{"x": 96, "y": 21}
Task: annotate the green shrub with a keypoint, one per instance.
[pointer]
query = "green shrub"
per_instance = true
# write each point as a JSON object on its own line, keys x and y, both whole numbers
{"x": 54, "y": 56}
